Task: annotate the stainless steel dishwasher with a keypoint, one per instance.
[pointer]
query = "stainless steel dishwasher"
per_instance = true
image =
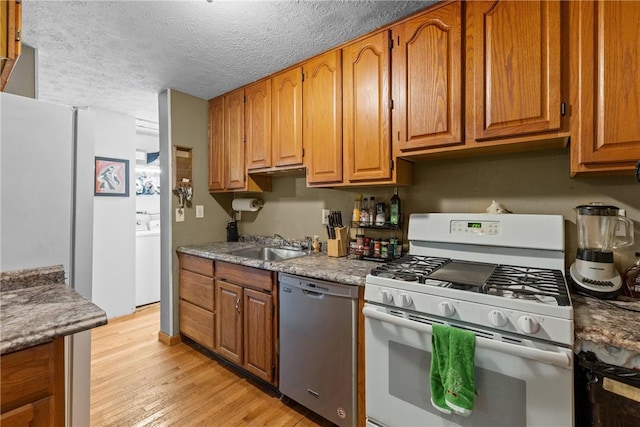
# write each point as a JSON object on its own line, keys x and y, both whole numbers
{"x": 318, "y": 337}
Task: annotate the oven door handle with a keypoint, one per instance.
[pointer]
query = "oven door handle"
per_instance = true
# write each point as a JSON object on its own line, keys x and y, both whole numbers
{"x": 549, "y": 357}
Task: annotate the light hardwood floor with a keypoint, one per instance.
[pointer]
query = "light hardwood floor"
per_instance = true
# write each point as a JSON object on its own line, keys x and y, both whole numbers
{"x": 138, "y": 381}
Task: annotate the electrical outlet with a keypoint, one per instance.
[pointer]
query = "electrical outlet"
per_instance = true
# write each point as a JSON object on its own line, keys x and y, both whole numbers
{"x": 325, "y": 216}
{"x": 199, "y": 211}
{"x": 179, "y": 215}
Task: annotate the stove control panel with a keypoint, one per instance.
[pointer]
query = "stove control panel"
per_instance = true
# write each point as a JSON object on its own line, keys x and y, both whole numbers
{"x": 481, "y": 312}
{"x": 491, "y": 228}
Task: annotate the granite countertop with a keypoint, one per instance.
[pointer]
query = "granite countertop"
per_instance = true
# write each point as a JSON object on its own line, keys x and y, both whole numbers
{"x": 608, "y": 328}
{"x": 342, "y": 270}
{"x": 36, "y": 306}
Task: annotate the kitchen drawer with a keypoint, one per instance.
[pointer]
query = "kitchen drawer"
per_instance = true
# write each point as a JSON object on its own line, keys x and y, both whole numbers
{"x": 196, "y": 264}
{"x": 247, "y": 276}
{"x": 197, "y": 289}
{"x": 27, "y": 376}
{"x": 196, "y": 323}
{"x": 40, "y": 413}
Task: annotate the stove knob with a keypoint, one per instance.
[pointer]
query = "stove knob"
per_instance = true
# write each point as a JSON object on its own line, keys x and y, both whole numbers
{"x": 528, "y": 324}
{"x": 386, "y": 297}
{"x": 405, "y": 300}
{"x": 497, "y": 318}
{"x": 446, "y": 308}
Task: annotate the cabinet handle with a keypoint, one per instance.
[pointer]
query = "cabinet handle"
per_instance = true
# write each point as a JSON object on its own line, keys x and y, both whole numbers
{"x": 238, "y": 305}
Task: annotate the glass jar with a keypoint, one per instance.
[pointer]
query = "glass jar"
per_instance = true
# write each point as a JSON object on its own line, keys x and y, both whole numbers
{"x": 376, "y": 248}
{"x": 384, "y": 249}
{"x": 631, "y": 285}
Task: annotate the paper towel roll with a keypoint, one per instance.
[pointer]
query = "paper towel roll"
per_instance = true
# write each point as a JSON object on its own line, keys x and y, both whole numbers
{"x": 250, "y": 205}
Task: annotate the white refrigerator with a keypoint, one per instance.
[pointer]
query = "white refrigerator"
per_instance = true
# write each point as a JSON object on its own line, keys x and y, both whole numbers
{"x": 46, "y": 210}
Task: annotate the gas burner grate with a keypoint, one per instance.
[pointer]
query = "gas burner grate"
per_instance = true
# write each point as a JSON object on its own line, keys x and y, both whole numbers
{"x": 544, "y": 285}
{"x": 410, "y": 268}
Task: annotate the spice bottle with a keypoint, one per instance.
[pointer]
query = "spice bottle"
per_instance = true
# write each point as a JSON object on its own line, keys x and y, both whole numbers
{"x": 631, "y": 285}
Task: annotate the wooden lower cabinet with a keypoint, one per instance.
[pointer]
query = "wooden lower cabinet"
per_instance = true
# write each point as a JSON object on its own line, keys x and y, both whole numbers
{"x": 196, "y": 304}
{"x": 32, "y": 386}
{"x": 245, "y": 319}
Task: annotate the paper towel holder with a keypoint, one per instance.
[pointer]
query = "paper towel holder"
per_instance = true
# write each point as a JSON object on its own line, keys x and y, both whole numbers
{"x": 246, "y": 204}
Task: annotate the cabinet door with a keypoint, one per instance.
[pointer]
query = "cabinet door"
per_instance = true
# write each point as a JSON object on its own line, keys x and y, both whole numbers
{"x": 10, "y": 45}
{"x": 216, "y": 144}
{"x": 366, "y": 96}
{"x": 605, "y": 90}
{"x": 258, "y": 331}
{"x": 513, "y": 60}
{"x": 229, "y": 321}
{"x": 36, "y": 414}
{"x": 257, "y": 114}
{"x": 427, "y": 80}
{"x": 235, "y": 166}
{"x": 286, "y": 113}
{"x": 322, "y": 95}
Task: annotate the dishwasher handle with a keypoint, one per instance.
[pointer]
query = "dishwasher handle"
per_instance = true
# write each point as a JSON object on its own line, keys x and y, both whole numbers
{"x": 313, "y": 294}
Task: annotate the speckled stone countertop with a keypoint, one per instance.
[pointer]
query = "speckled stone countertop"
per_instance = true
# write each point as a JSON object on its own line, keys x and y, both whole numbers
{"x": 609, "y": 328}
{"x": 36, "y": 307}
{"x": 343, "y": 270}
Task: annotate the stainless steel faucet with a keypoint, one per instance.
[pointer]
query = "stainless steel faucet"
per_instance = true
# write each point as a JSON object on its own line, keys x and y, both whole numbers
{"x": 285, "y": 242}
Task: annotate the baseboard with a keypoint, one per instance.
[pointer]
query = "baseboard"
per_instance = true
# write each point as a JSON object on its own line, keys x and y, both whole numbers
{"x": 167, "y": 340}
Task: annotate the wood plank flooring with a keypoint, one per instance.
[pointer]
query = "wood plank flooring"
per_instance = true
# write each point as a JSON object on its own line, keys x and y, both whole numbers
{"x": 138, "y": 381}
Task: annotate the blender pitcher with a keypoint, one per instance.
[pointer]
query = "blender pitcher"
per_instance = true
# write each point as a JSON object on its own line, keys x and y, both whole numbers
{"x": 593, "y": 271}
{"x": 597, "y": 224}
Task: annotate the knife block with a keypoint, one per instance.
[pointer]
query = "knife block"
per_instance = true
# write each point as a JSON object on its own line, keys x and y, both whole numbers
{"x": 338, "y": 247}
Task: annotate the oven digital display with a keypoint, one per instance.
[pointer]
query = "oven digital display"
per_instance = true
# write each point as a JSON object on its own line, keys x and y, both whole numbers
{"x": 474, "y": 225}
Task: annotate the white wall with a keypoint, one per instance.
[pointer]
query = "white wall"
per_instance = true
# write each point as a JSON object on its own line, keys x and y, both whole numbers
{"x": 37, "y": 183}
{"x": 114, "y": 221}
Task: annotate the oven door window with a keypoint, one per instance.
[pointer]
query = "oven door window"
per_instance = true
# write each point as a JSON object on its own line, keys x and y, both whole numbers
{"x": 512, "y": 390}
{"x": 506, "y": 396}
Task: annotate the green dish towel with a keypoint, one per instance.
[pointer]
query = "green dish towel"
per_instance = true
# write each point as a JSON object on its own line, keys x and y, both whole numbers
{"x": 453, "y": 370}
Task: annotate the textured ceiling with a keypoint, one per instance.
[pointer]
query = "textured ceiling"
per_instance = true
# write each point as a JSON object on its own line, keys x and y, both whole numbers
{"x": 118, "y": 55}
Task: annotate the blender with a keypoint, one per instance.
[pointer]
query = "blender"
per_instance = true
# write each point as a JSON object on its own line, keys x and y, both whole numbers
{"x": 593, "y": 272}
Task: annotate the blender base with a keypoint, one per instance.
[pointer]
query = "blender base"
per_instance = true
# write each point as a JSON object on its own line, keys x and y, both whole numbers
{"x": 604, "y": 289}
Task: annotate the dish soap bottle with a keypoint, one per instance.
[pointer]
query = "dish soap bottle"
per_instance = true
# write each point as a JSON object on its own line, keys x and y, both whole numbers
{"x": 394, "y": 208}
{"x": 631, "y": 285}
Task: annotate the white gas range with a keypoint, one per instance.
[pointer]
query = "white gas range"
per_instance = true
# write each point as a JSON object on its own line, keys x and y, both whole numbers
{"x": 498, "y": 276}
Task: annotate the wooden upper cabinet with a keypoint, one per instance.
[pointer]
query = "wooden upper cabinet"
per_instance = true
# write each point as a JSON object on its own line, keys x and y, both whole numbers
{"x": 514, "y": 62}
{"x": 216, "y": 144}
{"x": 257, "y": 114}
{"x": 427, "y": 80}
{"x": 286, "y": 116}
{"x": 605, "y": 90}
{"x": 10, "y": 45}
{"x": 367, "y": 116}
{"x": 322, "y": 95}
{"x": 235, "y": 165}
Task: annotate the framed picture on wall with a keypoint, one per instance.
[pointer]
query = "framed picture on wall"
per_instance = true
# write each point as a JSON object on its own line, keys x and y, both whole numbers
{"x": 111, "y": 177}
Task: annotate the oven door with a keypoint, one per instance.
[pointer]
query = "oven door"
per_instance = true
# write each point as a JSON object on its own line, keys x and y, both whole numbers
{"x": 519, "y": 382}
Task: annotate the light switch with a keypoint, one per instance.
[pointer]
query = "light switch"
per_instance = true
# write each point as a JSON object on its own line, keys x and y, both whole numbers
{"x": 199, "y": 211}
{"x": 179, "y": 215}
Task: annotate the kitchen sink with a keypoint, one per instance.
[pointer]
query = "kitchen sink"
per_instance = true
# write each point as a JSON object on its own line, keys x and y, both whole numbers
{"x": 268, "y": 254}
